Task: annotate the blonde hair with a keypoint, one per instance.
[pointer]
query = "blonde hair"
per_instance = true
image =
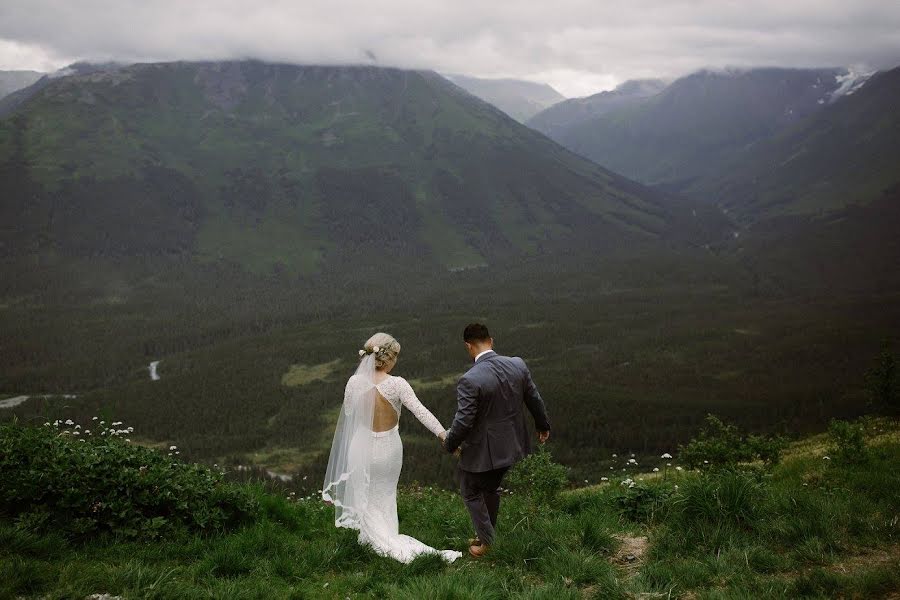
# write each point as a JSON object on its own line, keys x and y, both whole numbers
{"x": 388, "y": 349}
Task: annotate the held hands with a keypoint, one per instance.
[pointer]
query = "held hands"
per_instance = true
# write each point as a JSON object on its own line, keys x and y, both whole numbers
{"x": 543, "y": 436}
{"x": 443, "y": 438}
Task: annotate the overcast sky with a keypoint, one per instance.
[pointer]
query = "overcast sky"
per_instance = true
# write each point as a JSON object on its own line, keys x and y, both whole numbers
{"x": 579, "y": 47}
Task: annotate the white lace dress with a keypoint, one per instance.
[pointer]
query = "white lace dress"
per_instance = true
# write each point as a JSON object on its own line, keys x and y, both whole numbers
{"x": 379, "y": 526}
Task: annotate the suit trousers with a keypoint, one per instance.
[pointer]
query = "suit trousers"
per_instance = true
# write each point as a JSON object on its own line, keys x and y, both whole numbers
{"x": 481, "y": 494}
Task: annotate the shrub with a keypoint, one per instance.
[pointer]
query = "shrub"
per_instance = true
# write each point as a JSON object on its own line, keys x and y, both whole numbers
{"x": 722, "y": 445}
{"x": 881, "y": 380}
{"x": 64, "y": 479}
{"x": 642, "y": 502}
{"x": 848, "y": 444}
{"x": 538, "y": 477}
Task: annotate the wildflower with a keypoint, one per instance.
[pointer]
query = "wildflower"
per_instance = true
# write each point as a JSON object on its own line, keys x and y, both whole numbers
{"x": 46, "y": 424}
{"x": 78, "y": 427}
{"x": 656, "y": 469}
{"x": 666, "y": 456}
{"x": 615, "y": 456}
{"x": 93, "y": 418}
{"x": 127, "y": 440}
{"x": 172, "y": 447}
{"x": 604, "y": 479}
{"x": 826, "y": 458}
{"x": 678, "y": 469}
{"x": 70, "y": 422}
{"x": 705, "y": 462}
{"x": 676, "y": 486}
{"x": 668, "y": 464}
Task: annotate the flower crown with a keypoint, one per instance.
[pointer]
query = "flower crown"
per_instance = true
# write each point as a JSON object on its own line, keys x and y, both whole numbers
{"x": 372, "y": 350}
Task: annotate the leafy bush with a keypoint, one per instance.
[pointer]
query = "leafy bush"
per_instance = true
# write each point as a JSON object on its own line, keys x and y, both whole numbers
{"x": 65, "y": 479}
{"x": 538, "y": 477}
{"x": 641, "y": 502}
{"x": 848, "y": 443}
{"x": 722, "y": 445}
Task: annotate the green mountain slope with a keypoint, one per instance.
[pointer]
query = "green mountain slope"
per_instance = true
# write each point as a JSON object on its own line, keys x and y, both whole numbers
{"x": 298, "y": 169}
{"x": 700, "y": 121}
{"x": 846, "y": 154}
{"x": 558, "y": 120}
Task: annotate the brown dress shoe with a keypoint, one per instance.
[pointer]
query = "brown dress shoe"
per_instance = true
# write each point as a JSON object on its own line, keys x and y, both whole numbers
{"x": 479, "y": 551}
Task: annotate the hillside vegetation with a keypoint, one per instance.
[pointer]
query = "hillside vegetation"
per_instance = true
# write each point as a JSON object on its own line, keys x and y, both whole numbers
{"x": 818, "y": 522}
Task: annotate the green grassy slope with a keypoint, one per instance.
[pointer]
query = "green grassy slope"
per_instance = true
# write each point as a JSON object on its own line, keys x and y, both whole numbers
{"x": 812, "y": 528}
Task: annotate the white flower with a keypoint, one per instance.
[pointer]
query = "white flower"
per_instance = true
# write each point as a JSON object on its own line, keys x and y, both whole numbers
{"x": 70, "y": 422}
{"x": 656, "y": 469}
{"x": 615, "y": 455}
{"x": 172, "y": 447}
{"x": 93, "y": 418}
{"x": 678, "y": 468}
{"x": 668, "y": 464}
{"x": 585, "y": 481}
{"x": 46, "y": 424}
{"x": 705, "y": 462}
{"x": 127, "y": 440}
{"x": 826, "y": 458}
{"x": 632, "y": 461}
{"x": 666, "y": 455}
{"x": 604, "y": 479}
{"x": 376, "y": 349}
{"x": 362, "y": 352}
{"x": 676, "y": 486}
{"x": 78, "y": 427}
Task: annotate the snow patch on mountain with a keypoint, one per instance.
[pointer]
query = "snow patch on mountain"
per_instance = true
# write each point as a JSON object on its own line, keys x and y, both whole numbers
{"x": 850, "y": 82}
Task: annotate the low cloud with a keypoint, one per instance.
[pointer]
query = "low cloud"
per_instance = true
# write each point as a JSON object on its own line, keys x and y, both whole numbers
{"x": 577, "y": 46}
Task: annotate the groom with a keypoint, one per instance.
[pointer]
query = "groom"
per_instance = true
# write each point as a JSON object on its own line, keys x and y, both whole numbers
{"x": 489, "y": 428}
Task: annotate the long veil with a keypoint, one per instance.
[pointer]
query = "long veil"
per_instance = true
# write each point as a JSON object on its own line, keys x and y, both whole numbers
{"x": 348, "y": 474}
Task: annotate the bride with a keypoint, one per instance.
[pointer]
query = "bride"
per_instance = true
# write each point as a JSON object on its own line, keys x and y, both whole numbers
{"x": 367, "y": 454}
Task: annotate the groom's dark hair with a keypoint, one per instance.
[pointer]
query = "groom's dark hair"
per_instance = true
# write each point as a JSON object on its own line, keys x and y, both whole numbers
{"x": 476, "y": 332}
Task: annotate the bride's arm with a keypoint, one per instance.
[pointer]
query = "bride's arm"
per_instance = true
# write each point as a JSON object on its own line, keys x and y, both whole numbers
{"x": 410, "y": 401}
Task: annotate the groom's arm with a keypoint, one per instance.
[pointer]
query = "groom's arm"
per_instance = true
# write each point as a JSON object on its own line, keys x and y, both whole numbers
{"x": 534, "y": 402}
{"x": 466, "y": 411}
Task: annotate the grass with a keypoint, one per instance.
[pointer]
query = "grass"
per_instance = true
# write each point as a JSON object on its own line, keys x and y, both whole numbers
{"x": 810, "y": 528}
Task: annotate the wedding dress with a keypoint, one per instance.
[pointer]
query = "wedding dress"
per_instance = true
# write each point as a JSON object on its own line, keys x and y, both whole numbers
{"x": 365, "y": 462}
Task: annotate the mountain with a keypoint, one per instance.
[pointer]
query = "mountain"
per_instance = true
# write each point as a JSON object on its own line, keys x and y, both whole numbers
{"x": 846, "y": 154}
{"x": 10, "y": 81}
{"x": 296, "y": 169}
{"x": 557, "y": 120}
{"x": 700, "y": 122}
{"x": 519, "y": 99}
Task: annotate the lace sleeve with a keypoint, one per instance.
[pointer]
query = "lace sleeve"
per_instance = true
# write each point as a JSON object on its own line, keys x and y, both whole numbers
{"x": 410, "y": 401}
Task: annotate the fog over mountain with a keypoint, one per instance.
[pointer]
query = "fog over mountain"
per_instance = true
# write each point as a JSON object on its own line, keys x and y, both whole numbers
{"x": 519, "y": 99}
{"x": 579, "y": 48}
{"x": 10, "y": 81}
